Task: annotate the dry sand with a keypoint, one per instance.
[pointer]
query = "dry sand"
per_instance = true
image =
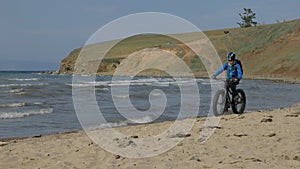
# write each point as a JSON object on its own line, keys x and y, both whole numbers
{"x": 268, "y": 139}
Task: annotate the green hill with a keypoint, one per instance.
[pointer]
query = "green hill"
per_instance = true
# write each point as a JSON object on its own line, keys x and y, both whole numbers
{"x": 267, "y": 51}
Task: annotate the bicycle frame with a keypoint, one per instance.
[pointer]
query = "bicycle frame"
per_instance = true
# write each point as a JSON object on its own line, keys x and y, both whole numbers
{"x": 229, "y": 95}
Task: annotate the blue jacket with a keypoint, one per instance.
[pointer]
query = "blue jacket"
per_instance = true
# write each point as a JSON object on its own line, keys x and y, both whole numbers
{"x": 232, "y": 70}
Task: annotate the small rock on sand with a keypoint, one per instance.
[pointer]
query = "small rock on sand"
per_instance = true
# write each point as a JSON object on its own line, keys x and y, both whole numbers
{"x": 3, "y": 143}
{"x": 196, "y": 158}
{"x": 266, "y": 120}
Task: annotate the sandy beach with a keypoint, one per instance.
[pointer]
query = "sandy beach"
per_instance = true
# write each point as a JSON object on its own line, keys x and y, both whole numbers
{"x": 268, "y": 139}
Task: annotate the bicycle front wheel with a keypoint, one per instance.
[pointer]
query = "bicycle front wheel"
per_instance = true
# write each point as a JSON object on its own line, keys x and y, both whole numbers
{"x": 239, "y": 102}
{"x": 219, "y": 102}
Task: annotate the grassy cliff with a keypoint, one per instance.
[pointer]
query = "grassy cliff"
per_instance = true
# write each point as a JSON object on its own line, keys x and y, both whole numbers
{"x": 267, "y": 51}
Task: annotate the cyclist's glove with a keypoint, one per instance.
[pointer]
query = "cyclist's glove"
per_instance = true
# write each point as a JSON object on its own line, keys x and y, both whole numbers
{"x": 235, "y": 80}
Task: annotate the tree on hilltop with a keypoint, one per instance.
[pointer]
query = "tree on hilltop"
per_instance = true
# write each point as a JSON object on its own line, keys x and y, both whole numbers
{"x": 247, "y": 18}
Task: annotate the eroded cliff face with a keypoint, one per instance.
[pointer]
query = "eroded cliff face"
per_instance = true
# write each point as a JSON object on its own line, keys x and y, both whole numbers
{"x": 141, "y": 58}
{"x": 265, "y": 51}
{"x": 67, "y": 64}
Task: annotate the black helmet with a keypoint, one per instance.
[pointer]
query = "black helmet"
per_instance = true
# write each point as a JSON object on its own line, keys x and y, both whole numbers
{"x": 230, "y": 56}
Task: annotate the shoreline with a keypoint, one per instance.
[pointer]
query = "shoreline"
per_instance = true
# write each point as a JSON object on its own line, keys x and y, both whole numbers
{"x": 167, "y": 121}
{"x": 265, "y": 139}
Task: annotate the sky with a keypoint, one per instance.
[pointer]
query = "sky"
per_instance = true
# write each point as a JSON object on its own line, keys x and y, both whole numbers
{"x": 37, "y": 34}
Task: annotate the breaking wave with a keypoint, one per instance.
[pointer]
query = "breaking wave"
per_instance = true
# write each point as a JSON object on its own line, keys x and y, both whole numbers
{"x": 15, "y": 115}
{"x": 28, "y": 79}
{"x": 23, "y": 85}
{"x": 136, "y": 82}
{"x": 22, "y": 104}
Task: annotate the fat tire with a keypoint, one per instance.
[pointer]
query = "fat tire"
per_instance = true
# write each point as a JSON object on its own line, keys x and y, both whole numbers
{"x": 219, "y": 111}
{"x": 241, "y": 94}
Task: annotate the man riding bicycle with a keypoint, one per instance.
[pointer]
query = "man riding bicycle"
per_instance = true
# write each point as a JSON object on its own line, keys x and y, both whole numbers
{"x": 234, "y": 73}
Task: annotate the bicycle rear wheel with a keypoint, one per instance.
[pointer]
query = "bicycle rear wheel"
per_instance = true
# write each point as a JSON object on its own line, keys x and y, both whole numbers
{"x": 239, "y": 102}
{"x": 219, "y": 102}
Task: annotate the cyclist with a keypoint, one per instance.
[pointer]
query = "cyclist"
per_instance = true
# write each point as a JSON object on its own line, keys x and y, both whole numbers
{"x": 234, "y": 73}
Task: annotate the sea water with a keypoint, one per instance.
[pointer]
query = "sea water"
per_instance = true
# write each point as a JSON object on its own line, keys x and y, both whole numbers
{"x": 32, "y": 103}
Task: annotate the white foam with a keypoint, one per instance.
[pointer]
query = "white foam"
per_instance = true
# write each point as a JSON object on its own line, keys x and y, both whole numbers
{"x": 121, "y": 96}
{"x": 15, "y": 115}
{"x": 111, "y": 125}
{"x": 107, "y": 125}
{"x": 22, "y": 104}
{"x": 141, "y": 120}
{"x": 28, "y": 79}
{"x": 20, "y": 93}
{"x": 136, "y": 82}
{"x": 155, "y": 93}
{"x": 38, "y": 103}
{"x": 16, "y": 91}
{"x": 88, "y": 84}
{"x": 23, "y": 85}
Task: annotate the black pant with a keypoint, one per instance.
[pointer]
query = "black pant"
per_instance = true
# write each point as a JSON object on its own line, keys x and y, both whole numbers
{"x": 231, "y": 83}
